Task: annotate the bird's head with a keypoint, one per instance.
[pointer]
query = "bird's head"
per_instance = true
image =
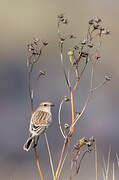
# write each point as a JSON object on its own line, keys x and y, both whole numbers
{"x": 46, "y": 106}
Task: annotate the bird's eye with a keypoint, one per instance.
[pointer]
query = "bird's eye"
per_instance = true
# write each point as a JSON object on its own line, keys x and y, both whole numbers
{"x": 45, "y": 104}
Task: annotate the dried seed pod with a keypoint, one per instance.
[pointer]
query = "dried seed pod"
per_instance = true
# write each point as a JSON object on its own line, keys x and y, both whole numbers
{"x": 61, "y": 15}
{"x": 42, "y": 73}
{"x": 65, "y": 21}
{"x": 108, "y": 78}
{"x": 96, "y": 26}
{"x": 90, "y": 45}
{"x": 62, "y": 39}
{"x": 71, "y": 36}
{"x": 35, "y": 40}
{"x": 97, "y": 20}
{"x": 84, "y": 42}
{"x": 106, "y": 32}
{"x": 101, "y": 28}
{"x": 91, "y": 22}
{"x": 66, "y": 126}
{"x": 76, "y": 47}
{"x": 45, "y": 43}
{"x": 66, "y": 98}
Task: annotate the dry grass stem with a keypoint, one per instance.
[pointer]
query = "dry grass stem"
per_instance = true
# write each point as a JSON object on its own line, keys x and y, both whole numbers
{"x": 50, "y": 156}
{"x": 96, "y": 163}
{"x": 59, "y": 118}
{"x": 108, "y": 163}
{"x": 113, "y": 173}
{"x": 117, "y": 159}
{"x": 38, "y": 164}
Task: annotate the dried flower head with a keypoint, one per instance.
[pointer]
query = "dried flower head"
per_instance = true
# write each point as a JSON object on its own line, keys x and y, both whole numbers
{"x": 84, "y": 42}
{"x": 35, "y": 40}
{"x": 61, "y": 16}
{"x": 66, "y": 98}
{"x": 76, "y": 47}
{"x": 45, "y": 43}
{"x": 108, "y": 77}
{"x": 66, "y": 126}
{"x": 90, "y": 45}
{"x": 71, "y": 36}
{"x": 91, "y": 22}
{"x": 96, "y": 26}
{"x": 106, "y": 32}
{"x": 97, "y": 19}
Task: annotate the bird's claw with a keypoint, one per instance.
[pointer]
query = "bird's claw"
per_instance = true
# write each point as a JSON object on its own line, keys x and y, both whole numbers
{"x": 35, "y": 145}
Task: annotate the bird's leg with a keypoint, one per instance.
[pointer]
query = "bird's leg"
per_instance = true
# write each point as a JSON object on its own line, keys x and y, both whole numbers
{"x": 36, "y": 142}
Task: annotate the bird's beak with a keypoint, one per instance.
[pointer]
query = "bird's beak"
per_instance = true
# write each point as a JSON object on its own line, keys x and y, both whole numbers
{"x": 52, "y": 105}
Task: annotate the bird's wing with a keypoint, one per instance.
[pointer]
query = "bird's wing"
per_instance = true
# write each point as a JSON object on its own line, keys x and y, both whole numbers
{"x": 41, "y": 118}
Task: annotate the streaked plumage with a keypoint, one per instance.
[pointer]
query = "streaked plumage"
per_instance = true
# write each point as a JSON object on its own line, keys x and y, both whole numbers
{"x": 40, "y": 120}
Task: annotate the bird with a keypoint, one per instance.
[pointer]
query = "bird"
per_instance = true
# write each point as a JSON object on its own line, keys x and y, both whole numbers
{"x": 40, "y": 120}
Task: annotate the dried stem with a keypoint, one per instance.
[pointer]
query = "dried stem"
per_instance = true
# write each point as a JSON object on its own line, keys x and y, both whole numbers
{"x": 59, "y": 118}
{"x": 61, "y": 159}
{"x": 62, "y": 165}
{"x": 117, "y": 159}
{"x": 100, "y": 85}
{"x": 49, "y": 152}
{"x": 108, "y": 163}
{"x": 104, "y": 163}
{"x": 96, "y": 163}
{"x": 89, "y": 96}
{"x": 32, "y": 110}
{"x": 113, "y": 173}
{"x": 61, "y": 57}
{"x": 72, "y": 110}
{"x": 103, "y": 173}
{"x": 38, "y": 164}
{"x": 81, "y": 161}
{"x": 77, "y": 77}
{"x": 29, "y": 88}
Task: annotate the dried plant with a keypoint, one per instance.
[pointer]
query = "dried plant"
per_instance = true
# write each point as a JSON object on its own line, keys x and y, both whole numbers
{"x": 87, "y": 51}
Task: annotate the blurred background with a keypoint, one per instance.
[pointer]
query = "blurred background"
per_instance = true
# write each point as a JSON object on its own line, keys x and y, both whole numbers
{"x": 20, "y": 21}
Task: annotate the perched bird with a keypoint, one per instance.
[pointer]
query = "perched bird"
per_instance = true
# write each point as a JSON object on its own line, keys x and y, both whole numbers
{"x": 40, "y": 120}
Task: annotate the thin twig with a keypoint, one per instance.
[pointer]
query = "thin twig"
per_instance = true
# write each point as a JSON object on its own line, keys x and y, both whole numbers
{"x": 61, "y": 159}
{"x": 108, "y": 163}
{"x": 96, "y": 163}
{"x": 59, "y": 118}
{"x": 38, "y": 164}
{"x": 117, "y": 159}
{"x": 49, "y": 152}
{"x": 81, "y": 161}
{"x": 104, "y": 163}
{"x": 29, "y": 88}
{"x": 32, "y": 110}
{"x": 72, "y": 108}
{"x": 103, "y": 173}
{"x": 62, "y": 165}
{"x": 78, "y": 76}
{"x": 89, "y": 96}
{"x": 77, "y": 79}
{"x": 113, "y": 173}
{"x": 100, "y": 85}
{"x": 61, "y": 57}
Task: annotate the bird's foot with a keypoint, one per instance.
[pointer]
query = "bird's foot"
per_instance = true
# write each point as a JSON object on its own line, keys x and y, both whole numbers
{"x": 35, "y": 145}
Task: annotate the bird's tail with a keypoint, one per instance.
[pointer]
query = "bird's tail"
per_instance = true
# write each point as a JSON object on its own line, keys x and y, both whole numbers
{"x": 28, "y": 144}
